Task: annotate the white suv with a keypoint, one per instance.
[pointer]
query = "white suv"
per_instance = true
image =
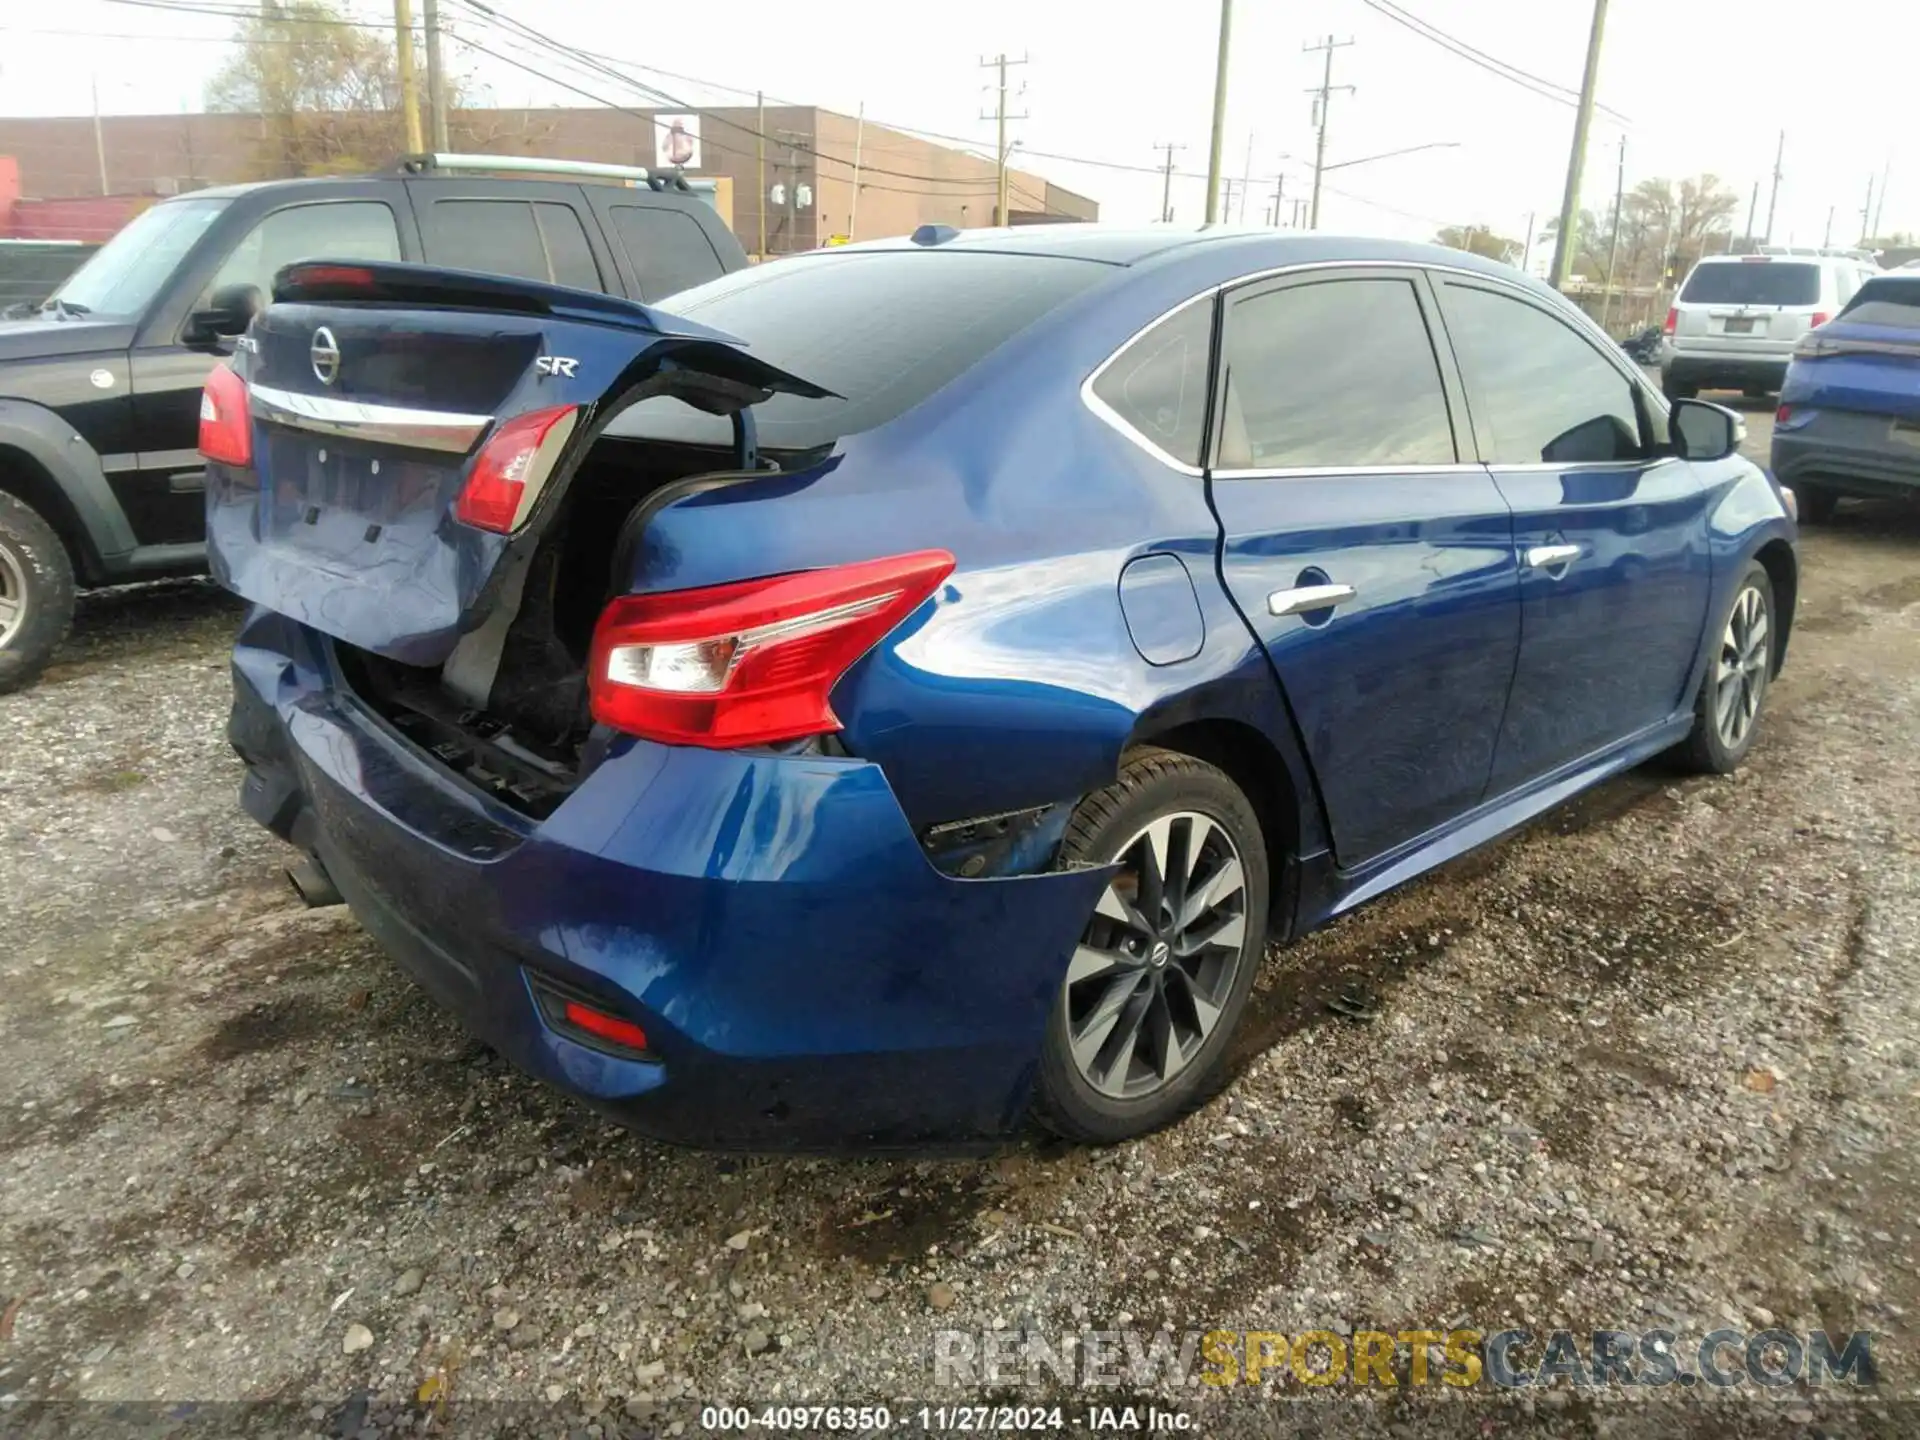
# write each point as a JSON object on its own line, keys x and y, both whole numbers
{"x": 1734, "y": 323}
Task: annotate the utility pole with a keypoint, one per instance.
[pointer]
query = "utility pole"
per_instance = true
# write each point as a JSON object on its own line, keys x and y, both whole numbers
{"x": 1279, "y": 194}
{"x": 1526, "y": 256}
{"x": 409, "y": 87}
{"x": 1827, "y": 239}
{"x": 1613, "y": 245}
{"x": 436, "y": 77}
{"x": 1219, "y": 112}
{"x": 1000, "y": 63}
{"x": 1323, "y": 90}
{"x": 1773, "y": 195}
{"x": 1866, "y": 214}
{"x": 760, "y": 164}
{"x": 1246, "y": 179}
{"x": 859, "y": 139}
{"x": 1880, "y": 205}
{"x": 1166, "y": 179}
{"x": 1563, "y": 240}
{"x": 1753, "y": 206}
{"x": 99, "y": 138}
{"x": 1226, "y": 198}
{"x": 791, "y": 139}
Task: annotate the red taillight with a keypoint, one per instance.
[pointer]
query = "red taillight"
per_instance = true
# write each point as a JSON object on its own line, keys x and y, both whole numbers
{"x": 612, "y": 1028}
{"x": 753, "y": 662}
{"x": 512, "y": 468}
{"x": 1820, "y": 317}
{"x": 226, "y": 427}
{"x": 1673, "y": 319}
{"x": 1783, "y": 414}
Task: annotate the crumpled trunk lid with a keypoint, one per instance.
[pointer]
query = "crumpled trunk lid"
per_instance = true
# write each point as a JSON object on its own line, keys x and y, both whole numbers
{"x": 373, "y": 389}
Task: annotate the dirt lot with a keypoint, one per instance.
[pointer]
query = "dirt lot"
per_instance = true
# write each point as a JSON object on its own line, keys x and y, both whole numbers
{"x": 1651, "y": 1064}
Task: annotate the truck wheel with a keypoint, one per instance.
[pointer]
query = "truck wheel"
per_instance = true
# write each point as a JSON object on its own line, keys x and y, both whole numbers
{"x": 36, "y": 593}
{"x": 1678, "y": 389}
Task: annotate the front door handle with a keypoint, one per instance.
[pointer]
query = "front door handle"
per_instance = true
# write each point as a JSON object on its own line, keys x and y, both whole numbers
{"x": 1306, "y": 598}
{"x": 1549, "y": 557}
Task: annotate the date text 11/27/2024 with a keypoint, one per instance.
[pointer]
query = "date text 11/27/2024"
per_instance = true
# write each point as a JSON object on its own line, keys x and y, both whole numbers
{"x": 963, "y": 1419}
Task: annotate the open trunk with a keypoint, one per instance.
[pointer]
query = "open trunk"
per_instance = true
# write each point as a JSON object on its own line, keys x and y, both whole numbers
{"x": 415, "y": 468}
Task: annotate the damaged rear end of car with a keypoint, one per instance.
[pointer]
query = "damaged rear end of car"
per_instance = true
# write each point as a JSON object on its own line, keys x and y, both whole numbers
{"x": 606, "y": 818}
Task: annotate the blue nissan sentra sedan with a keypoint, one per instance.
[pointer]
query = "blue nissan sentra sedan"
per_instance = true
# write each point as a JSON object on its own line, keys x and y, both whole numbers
{"x": 903, "y": 689}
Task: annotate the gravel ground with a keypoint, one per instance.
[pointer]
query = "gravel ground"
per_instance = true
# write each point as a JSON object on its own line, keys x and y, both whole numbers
{"x": 1651, "y": 1064}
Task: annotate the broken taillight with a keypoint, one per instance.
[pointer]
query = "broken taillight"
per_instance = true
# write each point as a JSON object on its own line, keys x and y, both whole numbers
{"x": 749, "y": 663}
{"x": 513, "y": 467}
{"x": 226, "y": 427}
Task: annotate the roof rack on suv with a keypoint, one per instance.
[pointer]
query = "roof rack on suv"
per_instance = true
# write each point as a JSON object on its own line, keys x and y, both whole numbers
{"x": 635, "y": 175}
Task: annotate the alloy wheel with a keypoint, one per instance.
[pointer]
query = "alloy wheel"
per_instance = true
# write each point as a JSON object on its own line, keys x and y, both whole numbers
{"x": 1740, "y": 674}
{"x": 13, "y": 596}
{"x": 1158, "y": 961}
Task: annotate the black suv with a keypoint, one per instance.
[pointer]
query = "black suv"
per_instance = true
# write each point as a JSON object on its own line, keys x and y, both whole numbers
{"x": 100, "y": 480}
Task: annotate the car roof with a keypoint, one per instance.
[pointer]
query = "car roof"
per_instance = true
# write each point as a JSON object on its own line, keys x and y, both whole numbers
{"x": 463, "y": 178}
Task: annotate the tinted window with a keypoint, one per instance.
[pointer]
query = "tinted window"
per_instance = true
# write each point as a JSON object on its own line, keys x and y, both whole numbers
{"x": 668, "y": 251}
{"x": 1332, "y": 374}
{"x": 1892, "y": 300}
{"x": 511, "y": 237}
{"x": 568, "y": 254}
{"x": 127, "y": 272}
{"x": 1753, "y": 282}
{"x": 344, "y": 230}
{"x": 1158, "y": 384}
{"x": 1538, "y": 390}
{"x": 881, "y": 329}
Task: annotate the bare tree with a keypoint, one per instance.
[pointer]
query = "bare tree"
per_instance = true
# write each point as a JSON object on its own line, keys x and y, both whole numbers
{"x": 1479, "y": 240}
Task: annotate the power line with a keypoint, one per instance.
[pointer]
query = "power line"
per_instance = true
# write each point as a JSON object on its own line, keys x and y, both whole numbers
{"x": 1525, "y": 79}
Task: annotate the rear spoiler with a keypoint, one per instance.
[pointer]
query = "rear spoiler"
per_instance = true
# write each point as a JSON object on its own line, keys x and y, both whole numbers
{"x": 381, "y": 282}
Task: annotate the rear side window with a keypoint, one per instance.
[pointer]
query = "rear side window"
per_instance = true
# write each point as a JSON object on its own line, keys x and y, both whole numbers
{"x": 1753, "y": 282}
{"x": 1158, "y": 384}
{"x": 1539, "y": 392}
{"x": 669, "y": 251}
{"x": 543, "y": 242}
{"x": 881, "y": 329}
{"x": 1335, "y": 374}
{"x": 336, "y": 230}
{"x": 1890, "y": 300}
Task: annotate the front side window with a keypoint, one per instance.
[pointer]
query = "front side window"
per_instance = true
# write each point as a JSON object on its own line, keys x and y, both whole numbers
{"x": 122, "y": 277}
{"x": 1158, "y": 384}
{"x": 340, "y": 230}
{"x": 1329, "y": 375}
{"x": 1539, "y": 392}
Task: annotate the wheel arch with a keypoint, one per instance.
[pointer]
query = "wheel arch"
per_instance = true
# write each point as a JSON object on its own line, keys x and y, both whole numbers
{"x": 1250, "y": 759}
{"x": 1783, "y": 571}
{"x": 44, "y": 463}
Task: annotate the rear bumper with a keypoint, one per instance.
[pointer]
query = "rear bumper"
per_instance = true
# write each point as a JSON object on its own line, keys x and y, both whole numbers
{"x": 1849, "y": 454}
{"x": 805, "y": 978}
{"x": 1729, "y": 371}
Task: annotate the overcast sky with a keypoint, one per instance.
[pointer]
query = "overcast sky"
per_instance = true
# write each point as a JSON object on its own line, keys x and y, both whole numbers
{"x": 1706, "y": 86}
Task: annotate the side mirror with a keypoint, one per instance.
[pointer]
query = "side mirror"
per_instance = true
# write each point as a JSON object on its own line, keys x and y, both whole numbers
{"x": 1702, "y": 431}
{"x": 228, "y": 311}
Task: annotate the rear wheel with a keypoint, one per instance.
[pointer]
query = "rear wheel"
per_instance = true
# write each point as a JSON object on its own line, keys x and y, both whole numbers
{"x": 36, "y": 593}
{"x": 1726, "y": 713}
{"x": 1816, "y": 505}
{"x": 1141, "y": 1025}
{"x": 1678, "y": 389}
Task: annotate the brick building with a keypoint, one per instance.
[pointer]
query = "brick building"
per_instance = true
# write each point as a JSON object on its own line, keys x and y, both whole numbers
{"x": 808, "y": 153}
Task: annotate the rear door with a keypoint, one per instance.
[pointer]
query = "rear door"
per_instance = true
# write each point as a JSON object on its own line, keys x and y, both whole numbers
{"x": 526, "y": 230}
{"x": 1372, "y": 558}
{"x": 1611, "y": 538}
{"x": 161, "y": 493}
{"x": 379, "y": 394}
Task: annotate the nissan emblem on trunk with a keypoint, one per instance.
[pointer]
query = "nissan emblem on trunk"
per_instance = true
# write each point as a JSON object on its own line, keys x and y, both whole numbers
{"x": 326, "y": 356}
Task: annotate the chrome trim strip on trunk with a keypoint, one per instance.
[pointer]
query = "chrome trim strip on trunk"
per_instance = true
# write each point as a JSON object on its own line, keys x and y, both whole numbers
{"x": 358, "y": 420}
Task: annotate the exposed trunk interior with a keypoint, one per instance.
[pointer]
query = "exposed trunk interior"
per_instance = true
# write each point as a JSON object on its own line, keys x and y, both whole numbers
{"x": 526, "y": 743}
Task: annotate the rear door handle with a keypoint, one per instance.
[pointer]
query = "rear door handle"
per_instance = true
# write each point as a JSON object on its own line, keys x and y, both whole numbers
{"x": 1548, "y": 557}
{"x": 1305, "y": 598}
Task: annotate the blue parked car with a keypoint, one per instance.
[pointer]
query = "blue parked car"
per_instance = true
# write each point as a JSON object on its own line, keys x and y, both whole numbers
{"x": 1849, "y": 417}
{"x": 904, "y": 689}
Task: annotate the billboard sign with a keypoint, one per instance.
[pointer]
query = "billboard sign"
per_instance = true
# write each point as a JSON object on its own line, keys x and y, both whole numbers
{"x": 676, "y": 142}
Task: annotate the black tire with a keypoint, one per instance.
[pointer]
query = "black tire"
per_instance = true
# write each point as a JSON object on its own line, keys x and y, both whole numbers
{"x": 1815, "y": 504}
{"x": 1155, "y": 785}
{"x": 1710, "y": 750}
{"x": 36, "y": 576}
{"x": 1678, "y": 389}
